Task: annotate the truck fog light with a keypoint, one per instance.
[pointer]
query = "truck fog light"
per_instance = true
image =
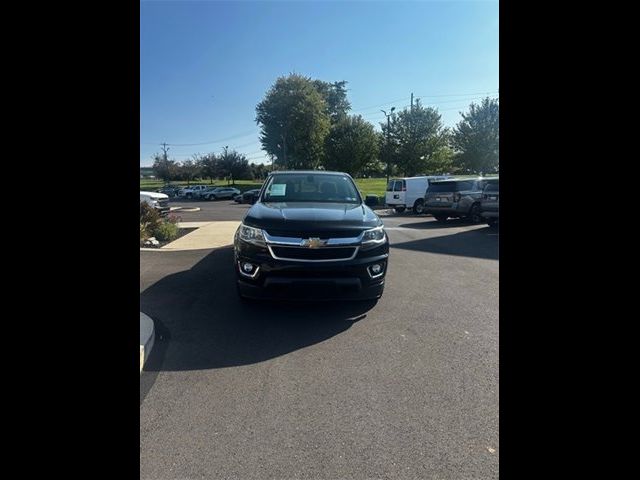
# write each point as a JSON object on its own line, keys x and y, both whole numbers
{"x": 247, "y": 267}
{"x": 376, "y": 270}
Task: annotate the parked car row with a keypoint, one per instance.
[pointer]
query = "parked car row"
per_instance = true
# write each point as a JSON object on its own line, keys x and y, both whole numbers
{"x": 204, "y": 192}
{"x": 446, "y": 197}
{"x": 403, "y": 193}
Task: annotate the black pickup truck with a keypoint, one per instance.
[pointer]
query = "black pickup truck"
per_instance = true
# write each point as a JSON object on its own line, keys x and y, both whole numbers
{"x": 310, "y": 236}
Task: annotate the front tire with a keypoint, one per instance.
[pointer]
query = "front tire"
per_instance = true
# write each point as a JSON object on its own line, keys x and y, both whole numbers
{"x": 418, "y": 207}
{"x": 474, "y": 214}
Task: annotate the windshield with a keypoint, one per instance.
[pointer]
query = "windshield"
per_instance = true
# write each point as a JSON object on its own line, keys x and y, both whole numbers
{"x": 442, "y": 187}
{"x": 310, "y": 187}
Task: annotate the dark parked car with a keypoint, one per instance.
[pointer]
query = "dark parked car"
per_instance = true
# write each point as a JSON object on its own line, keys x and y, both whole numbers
{"x": 310, "y": 236}
{"x": 219, "y": 192}
{"x": 250, "y": 196}
{"x": 489, "y": 205}
{"x": 170, "y": 190}
{"x": 455, "y": 198}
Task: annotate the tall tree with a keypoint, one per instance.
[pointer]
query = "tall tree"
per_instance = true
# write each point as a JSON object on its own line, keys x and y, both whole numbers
{"x": 335, "y": 97}
{"x": 294, "y": 122}
{"x": 165, "y": 169}
{"x": 351, "y": 145}
{"x": 418, "y": 138}
{"x": 476, "y": 138}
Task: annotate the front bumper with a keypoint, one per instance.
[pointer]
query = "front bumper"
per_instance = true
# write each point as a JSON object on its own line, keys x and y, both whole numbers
{"x": 452, "y": 212}
{"x": 296, "y": 280}
{"x": 305, "y": 289}
{"x": 163, "y": 210}
{"x": 490, "y": 214}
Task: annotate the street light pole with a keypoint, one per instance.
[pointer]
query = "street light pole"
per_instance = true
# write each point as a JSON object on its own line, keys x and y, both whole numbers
{"x": 388, "y": 149}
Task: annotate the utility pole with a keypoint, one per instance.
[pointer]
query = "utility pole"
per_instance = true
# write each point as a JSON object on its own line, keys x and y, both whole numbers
{"x": 388, "y": 145}
{"x": 164, "y": 150}
{"x": 412, "y": 101}
{"x": 225, "y": 163}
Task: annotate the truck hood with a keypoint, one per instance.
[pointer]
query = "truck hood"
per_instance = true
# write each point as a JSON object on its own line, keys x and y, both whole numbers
{"x": 155, "y": 195}
{"x": 311, "y": 217}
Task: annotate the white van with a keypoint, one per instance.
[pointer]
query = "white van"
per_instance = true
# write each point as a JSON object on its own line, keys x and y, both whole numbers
{"x": 409, "y": 192}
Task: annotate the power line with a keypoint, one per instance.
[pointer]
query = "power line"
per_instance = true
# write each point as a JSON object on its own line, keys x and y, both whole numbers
{"x": 421, "y": 96}
{"x": 239, "y": 135}
{"x": 458, "y": 94}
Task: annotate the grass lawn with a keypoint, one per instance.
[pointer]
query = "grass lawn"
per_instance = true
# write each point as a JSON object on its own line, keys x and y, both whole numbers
{"x": 368, "y": 186}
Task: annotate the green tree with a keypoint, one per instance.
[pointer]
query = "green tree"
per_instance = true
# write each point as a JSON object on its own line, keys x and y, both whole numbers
{"x": 259, "y": 170}
{"x": 335, "y": 97}
{"x": 418, "y": 138}
{"x": 476, "y": 138}
{"x": 351, "y": 146}
{"x": 209, "y": 166}
{"x": 190, "y": 169}
{"x": 234, "y": 166}
{"x": 441, "y": 161}
{"x": 294, "y": 122}
{"x": 165, "y": 169}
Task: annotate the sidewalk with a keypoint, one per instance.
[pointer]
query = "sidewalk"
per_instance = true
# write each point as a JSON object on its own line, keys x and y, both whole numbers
{"x": 208, "y": 235}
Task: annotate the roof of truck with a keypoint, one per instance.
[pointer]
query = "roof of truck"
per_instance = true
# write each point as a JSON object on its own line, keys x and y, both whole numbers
{"x": 466, "y": 179}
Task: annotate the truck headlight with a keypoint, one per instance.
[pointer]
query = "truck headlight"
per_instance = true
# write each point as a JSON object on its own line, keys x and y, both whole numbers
{"x": 375, "y": 236}
{"x": 251, "y": 235}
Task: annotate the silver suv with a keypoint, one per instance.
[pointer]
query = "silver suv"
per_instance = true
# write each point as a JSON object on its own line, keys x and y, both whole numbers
{"x": 455, "y": 198}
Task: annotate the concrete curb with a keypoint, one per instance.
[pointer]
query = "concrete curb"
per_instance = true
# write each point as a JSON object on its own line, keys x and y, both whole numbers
{"x": 184, "y": 209}
{"x": 147, "y": 338}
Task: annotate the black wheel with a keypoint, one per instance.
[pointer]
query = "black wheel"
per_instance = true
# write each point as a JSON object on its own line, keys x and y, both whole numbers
{"x": 399, "y": 209}
{"x": 474, "y": 214}
{"x": 213, "y": 197}
{"x": 418, "y": 207}
{"x": 189, "y": 195}
{"x": 441, "y": 218}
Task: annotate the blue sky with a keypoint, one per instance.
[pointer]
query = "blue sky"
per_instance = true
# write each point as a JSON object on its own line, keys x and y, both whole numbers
{"x": 204, "y": 65}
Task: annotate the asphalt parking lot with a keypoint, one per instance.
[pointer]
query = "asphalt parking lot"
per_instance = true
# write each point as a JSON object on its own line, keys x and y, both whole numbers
{"x": 403, "y": 388}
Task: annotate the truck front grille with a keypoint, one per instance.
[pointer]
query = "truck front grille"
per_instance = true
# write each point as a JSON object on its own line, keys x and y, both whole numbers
{"x": 322, "y": 254}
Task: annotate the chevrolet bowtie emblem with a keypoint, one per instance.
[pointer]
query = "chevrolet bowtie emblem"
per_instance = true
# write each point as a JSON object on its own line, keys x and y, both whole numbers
{"x": 313, "y": 242}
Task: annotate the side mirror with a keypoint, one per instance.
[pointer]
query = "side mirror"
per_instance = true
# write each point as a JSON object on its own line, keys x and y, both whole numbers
{"x": 371, "y": 200}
